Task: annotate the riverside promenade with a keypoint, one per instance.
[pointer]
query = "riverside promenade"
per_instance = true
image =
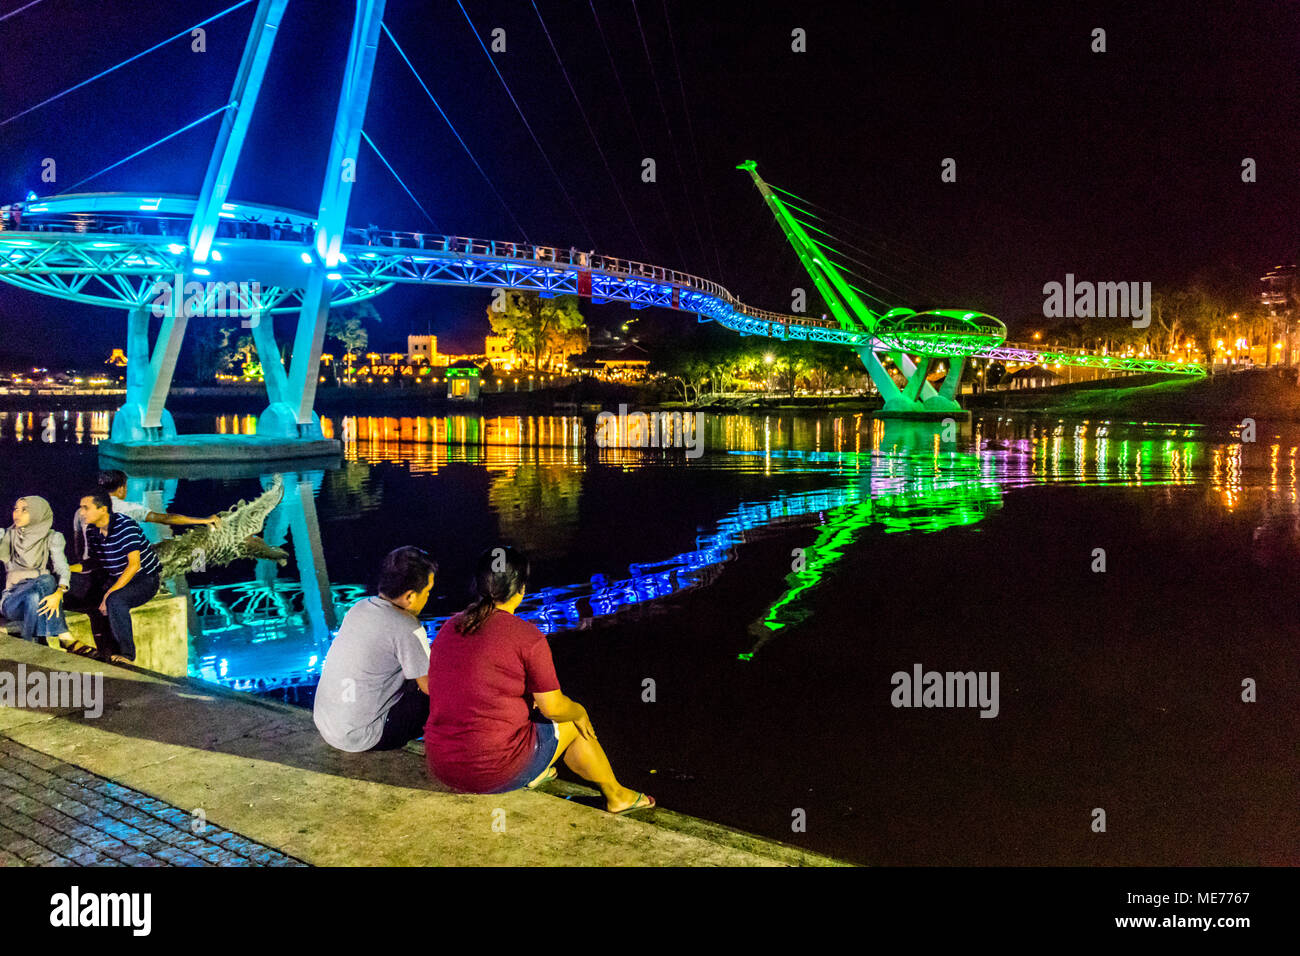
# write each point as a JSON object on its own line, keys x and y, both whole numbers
{"x": 258, "y": 787}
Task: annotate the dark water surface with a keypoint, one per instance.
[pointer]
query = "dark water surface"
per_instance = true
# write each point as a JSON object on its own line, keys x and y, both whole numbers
{"x": 771, "y": 588}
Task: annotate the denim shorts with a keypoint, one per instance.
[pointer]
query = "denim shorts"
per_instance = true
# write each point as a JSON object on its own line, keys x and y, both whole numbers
{"x": 548, "y": 737}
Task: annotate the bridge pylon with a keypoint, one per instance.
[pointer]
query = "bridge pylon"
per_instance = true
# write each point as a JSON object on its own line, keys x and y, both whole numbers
{"x": 899, "y": 335}
{"x": 289, "y": 427}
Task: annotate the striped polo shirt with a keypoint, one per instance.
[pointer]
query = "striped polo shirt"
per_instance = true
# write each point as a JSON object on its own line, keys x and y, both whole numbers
{"x": 110, "y": 548}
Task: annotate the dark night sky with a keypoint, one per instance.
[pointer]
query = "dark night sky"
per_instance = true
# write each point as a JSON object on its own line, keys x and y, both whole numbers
{"x": 1116, "y": 166}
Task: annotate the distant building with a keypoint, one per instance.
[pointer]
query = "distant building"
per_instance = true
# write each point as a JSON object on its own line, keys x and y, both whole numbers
{"x": 463, "y": 381}
{"x": 633, "y": 359}
{"x": 622, "y": 363}
{"x": 1278, "y": 291}
{"x": 1033, "y": 376}
{"x": 1276, "y": 288}
{"x": 422, "y": 349}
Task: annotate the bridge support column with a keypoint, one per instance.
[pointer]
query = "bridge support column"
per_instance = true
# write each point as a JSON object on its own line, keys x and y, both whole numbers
{"x": 296, "y": 516}
{"x": 951, "y": 387}
{"x": 280, "y": 420}
{"x": 917, "y": 397}
{"x": 137, "y": 355}
{"x": 916, "y": 379}
{"x": 293, "y": 417}
{"x": 143, "y": 416}
{"x": 163, "y": 365}
{"x": 883, "y": 381}
{"x": 908, "y": 368}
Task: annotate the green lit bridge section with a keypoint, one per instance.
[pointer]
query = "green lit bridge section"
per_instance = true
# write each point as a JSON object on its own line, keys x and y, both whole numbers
{"x": 914, "y": 341}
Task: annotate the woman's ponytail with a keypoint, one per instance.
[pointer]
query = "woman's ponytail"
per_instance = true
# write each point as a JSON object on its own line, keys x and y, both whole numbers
{"x": 500, "y": 574}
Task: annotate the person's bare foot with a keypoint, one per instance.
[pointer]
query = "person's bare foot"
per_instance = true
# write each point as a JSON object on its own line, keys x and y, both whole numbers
{"x": 630, "y": 800}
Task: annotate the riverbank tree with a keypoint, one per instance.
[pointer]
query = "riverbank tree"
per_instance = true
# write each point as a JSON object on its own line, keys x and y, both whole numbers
{"x": 537, "y": 328}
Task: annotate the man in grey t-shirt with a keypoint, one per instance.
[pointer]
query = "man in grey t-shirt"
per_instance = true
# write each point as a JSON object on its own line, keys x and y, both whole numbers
{"x": 374, "y": 686}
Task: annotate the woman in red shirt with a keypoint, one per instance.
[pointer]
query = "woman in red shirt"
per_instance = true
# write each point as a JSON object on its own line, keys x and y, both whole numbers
{"x": 484, "y": 667}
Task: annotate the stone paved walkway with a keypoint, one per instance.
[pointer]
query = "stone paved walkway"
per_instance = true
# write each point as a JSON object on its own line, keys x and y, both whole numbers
{"x": 55, "y": 814}
{"x": 119, "y": 787}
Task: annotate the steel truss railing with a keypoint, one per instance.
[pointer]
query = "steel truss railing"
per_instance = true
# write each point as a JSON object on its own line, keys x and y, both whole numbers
{"x": 64, "y": 259}
{"x": 121, "y": 271}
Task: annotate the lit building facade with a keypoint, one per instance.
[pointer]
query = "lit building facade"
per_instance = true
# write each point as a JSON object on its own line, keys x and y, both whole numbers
{"x": 422, "y": 349}
{"x": 1278, "y": 291}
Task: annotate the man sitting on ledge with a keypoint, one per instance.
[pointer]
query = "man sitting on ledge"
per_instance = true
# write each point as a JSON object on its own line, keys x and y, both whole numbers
{"x": 120, "y": 550}
{"x": 374, "y": 686}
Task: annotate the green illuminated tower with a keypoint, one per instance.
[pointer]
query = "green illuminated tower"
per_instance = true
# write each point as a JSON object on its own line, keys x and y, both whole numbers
{"x": 900, "y": 334}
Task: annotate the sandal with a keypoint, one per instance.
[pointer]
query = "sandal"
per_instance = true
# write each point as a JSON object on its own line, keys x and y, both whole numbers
{"x": 636, "y": 805}
{"x": 550, "y": 774}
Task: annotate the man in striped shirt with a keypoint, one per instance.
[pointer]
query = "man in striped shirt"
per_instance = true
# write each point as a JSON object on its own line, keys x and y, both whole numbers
{"x": 119, "y": 548}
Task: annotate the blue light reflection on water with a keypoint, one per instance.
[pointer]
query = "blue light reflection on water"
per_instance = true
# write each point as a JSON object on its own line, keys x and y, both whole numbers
{"x": 895, "y": 481}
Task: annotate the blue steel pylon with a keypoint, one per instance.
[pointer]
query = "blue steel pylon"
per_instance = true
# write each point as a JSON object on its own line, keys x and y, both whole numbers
{"x": 291, "y": 394}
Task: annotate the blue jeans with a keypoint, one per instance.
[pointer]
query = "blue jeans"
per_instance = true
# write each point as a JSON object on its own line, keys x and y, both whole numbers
{"x": 548, "y": 738}
{"x": 22, "y": 603}
{"x": 116, "y": 627}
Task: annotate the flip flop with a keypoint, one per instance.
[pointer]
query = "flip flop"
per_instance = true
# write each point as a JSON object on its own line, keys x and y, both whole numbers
{"x": 551, "y": 774}
{"x": 636, "y": 805}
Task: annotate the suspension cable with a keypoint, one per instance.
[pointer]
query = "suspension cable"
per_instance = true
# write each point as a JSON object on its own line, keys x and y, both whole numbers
{"x": 185, "y": 32}
{"x": 690, "y": 130}
{"x": 157, "y": 142}
{"x": 915, "y": 289}
{"x": 672, "y": 143}
{"x": 468, "y": 152}
{"x": 627, "y": 105}
{"x": 603, "y": 158}
{"x": 884, "y": 256}
{"x": 887, "y": 305}
{"x": 866, "y": 252}
{"x": 556, "y": 176}
{"x": 860, "y": 277}
{"x": 12, "y": 13}
{"x": 367, "y": 138}
{"x": 845, "y": 220}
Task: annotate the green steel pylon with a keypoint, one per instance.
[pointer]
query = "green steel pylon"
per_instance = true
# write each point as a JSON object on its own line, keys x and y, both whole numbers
{"x": 899, "y": 333}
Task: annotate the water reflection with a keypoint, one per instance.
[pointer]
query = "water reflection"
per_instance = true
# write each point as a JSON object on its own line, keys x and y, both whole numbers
{"x": 61, "y": 425}
{"x": 842, "y": 477}
{"x": 272, "y": 630}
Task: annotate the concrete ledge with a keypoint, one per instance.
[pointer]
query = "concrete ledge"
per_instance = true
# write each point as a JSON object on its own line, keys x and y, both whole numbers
{"x": 260, "y": 769}
{"x": 219, "y": 448}
{"x": 160, "y": 629}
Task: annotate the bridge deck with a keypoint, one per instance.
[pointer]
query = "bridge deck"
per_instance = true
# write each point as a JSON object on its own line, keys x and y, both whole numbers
{"x": 111, "y": 249}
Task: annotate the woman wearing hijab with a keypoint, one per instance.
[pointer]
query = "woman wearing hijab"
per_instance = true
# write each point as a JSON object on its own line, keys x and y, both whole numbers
{"x": 29, "y": 549}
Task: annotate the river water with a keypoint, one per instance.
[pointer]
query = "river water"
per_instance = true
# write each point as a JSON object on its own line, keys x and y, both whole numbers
{"x": 738, "y": 623}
